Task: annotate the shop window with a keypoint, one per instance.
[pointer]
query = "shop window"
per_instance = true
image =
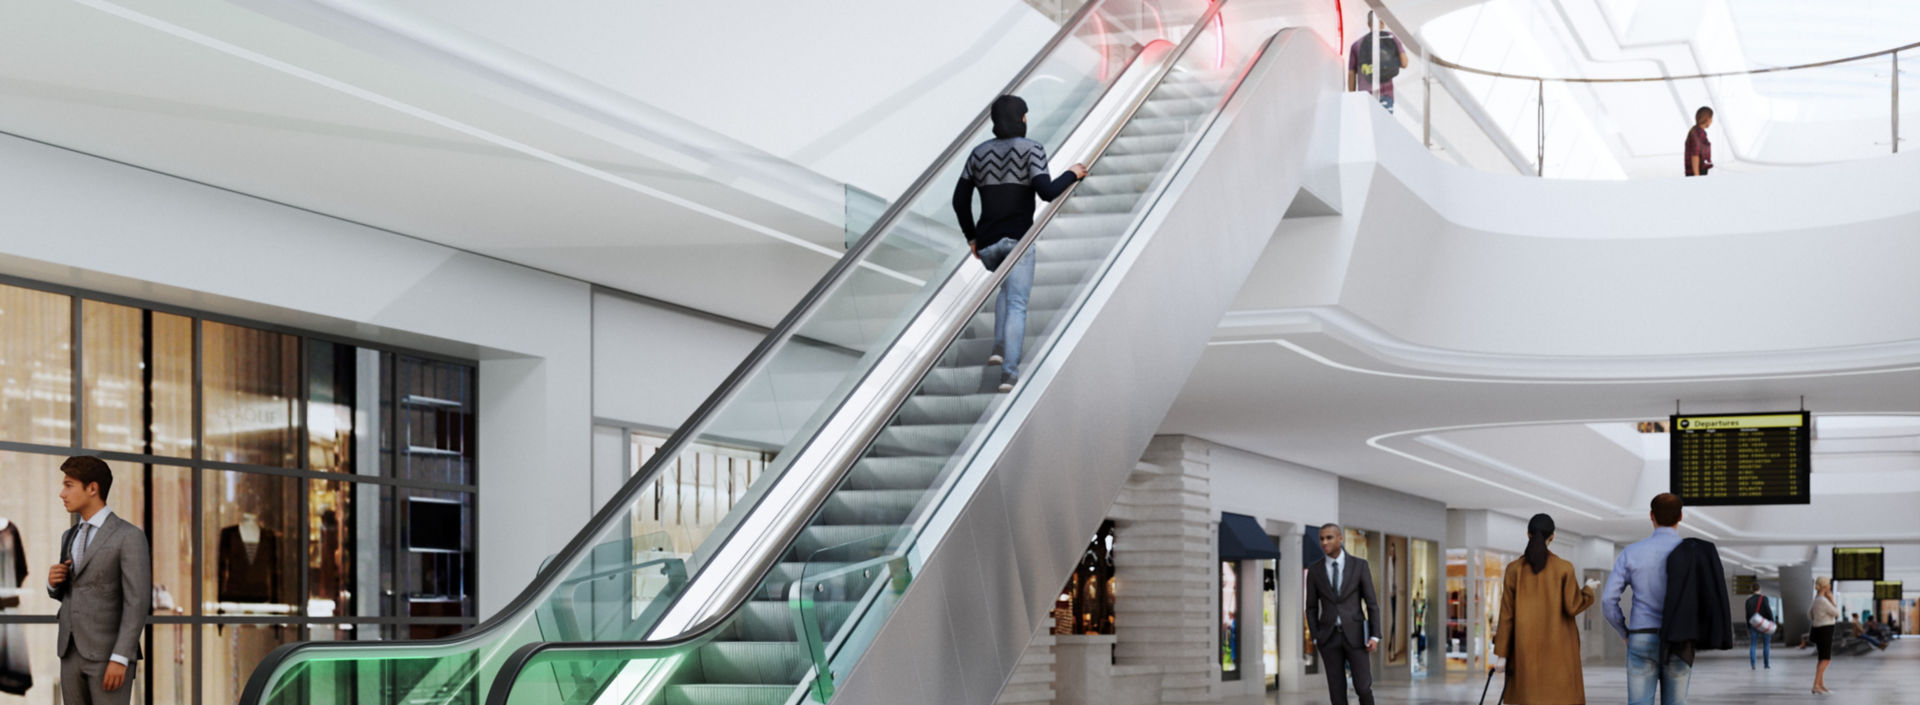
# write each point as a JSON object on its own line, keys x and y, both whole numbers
{"x": 249, "y": 391}
{"x": 1086, "y": 603}
{"x": 36, "y": 366}
{"x": 1230, "y": 620}
{"x": 387, "y": 560}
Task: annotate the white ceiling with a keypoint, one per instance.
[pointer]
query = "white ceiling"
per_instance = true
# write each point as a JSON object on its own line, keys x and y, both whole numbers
{"x": 1566, "y": 448}
{"x": 298, "y": 104}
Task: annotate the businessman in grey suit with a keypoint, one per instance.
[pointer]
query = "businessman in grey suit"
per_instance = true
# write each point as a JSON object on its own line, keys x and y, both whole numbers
{"x": 104, "y": 582}
{"x": 1343, "y": 636}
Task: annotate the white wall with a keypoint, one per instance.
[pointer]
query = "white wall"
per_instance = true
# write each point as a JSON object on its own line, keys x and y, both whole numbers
{"x": 1273, "y": 490}
{"x": 653, "y": 365}
{"x": 74, "y": 220}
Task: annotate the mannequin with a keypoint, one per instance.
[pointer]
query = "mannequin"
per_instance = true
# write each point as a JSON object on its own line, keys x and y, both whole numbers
{"x": 16, "y": 672}
{"x": 249, "y": 562}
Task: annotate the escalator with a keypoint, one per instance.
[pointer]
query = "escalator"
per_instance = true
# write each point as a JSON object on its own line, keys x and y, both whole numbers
{"x": 832, "y": 573}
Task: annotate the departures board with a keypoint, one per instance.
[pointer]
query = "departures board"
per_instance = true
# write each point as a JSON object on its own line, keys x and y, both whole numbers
{"x": 1859, "y": 563}
{"x": 1725, "y": 459}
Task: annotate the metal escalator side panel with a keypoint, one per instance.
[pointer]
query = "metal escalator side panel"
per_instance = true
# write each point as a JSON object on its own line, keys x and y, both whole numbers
{"x": 1068, "y": 440}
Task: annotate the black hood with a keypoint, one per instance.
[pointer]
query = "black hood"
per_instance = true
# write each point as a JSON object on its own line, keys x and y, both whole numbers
{"x": 1009, "y": 117}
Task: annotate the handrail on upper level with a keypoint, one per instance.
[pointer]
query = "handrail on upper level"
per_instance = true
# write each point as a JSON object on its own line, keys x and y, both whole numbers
{"x": 1503, "y": 141}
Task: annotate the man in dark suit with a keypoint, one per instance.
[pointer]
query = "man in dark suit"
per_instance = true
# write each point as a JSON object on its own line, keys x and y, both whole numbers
{"x": 104, "y": 582}
{"x": 1336, "y": 590}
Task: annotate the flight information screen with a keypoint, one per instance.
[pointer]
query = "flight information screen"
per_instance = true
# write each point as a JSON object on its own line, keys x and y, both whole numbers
{"x": 1889, "y": 590}
{"x": 1859, "y": 563}
{"x": 1762, "y": 458}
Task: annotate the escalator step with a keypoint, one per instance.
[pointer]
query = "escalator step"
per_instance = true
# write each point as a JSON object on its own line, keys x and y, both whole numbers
{"x": 936, "y": 410}
{"x": 815, "y": 538}
{"x": 730, "y": 694}
{"x": 869, "y": 506}
{"x": 928, "y": 440}
{"x": 753, "y": 662}
{"x": 902, "y": 473}
{"x": 1166, "y": 143}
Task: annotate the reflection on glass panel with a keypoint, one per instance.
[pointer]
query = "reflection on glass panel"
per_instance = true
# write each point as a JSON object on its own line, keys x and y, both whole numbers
{"x": 437, "y": 562}
{"x": 168, "y": 491}
{"x": 691, "y": 497}
{"x": 251, "y": 385}
{"x": 113, "y": 376}
{"x": 121, "y": 347}
{"x": 36, "y": 366}
{"x": 252, "y": 562}
{"x": 171, "y": 392}
{"x": 330, "y": 549}
{"x": 165, "y": 675}
{"x": 330, "y": 391}
{"x": 433, "y": 407}
{"x": 229, "y": 652}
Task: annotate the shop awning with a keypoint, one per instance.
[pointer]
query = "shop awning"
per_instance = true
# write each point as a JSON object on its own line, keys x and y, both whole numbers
{"x": 1241, "y": 538}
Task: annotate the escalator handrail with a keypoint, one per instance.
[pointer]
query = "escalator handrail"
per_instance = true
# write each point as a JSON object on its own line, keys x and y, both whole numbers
{"x": 517, "y": 662}
{"x": 264, "y": 674}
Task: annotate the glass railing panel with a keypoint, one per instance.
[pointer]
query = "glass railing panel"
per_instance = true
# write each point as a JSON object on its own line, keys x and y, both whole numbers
{"x": 782, "y": 397}
{"x": 838, "y": 582}
{"x": 580, "y": 676}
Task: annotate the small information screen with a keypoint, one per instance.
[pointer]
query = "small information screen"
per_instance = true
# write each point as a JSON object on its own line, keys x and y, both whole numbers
{"x": 1859, "y": 563}
{"x": 1889, "y": 590}
{"x": 1762, "y": 458}
{"x": 1744, "y": 584}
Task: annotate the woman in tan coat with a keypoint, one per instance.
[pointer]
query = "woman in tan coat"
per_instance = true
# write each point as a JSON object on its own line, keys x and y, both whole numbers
{"x": 1537, "y": 637}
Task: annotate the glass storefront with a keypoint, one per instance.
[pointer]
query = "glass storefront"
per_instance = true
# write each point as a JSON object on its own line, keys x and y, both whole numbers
{"x": 1420, "y": 565}
{"x": 1474, "y": 584}
{"x": 292, "y": 487}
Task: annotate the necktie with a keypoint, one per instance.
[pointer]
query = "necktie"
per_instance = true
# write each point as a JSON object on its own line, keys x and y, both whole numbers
{"x": 1336, "y": 591}
{"x": 80, "y": 546}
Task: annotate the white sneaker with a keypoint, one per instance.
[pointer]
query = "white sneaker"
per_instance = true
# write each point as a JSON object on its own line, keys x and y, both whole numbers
{"x": 1006, "y": 382}
{"x": 995, "y": 359}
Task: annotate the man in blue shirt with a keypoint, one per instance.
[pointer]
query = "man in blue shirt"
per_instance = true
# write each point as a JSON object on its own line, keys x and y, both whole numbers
{"x": 1643, "y": 566}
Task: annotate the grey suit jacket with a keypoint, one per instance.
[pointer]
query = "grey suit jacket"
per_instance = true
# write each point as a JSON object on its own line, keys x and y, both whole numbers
{"x": 106, "y": 599}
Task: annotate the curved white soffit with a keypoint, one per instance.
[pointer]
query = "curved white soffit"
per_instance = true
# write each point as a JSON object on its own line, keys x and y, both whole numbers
{"x": 463, "y": 128}
{"x": 1426, "y": 436}
{"x": 1500, "y": 368}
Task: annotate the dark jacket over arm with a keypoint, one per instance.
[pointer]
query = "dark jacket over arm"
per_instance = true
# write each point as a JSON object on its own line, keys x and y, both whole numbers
{"x": 1695, "y": 615}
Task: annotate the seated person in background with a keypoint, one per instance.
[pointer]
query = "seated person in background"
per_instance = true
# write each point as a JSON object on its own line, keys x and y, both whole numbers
{"x": 1871, "y": 634}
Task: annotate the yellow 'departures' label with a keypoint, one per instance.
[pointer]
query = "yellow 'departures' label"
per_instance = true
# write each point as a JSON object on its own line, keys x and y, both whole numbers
{"x": 1730, "y": 423}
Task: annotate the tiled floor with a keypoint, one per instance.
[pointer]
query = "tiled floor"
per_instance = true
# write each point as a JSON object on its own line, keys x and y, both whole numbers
{"x": 1890, "y": 677}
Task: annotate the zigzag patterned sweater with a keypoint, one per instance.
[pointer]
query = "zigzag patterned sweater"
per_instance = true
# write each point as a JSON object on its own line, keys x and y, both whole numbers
{"x": 1009, "y": 172}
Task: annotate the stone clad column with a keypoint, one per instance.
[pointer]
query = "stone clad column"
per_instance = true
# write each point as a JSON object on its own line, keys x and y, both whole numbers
{"x": 1796, "y": 600}
{"x": 1164, "y": 567}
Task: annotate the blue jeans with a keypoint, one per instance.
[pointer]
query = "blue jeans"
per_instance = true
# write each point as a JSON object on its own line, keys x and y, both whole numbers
{"x": 1762, "y": 643}
{"x": 1010, "y": 309}
{"x": 1644, "y": 672}
{"x": 1386, "y": 101}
